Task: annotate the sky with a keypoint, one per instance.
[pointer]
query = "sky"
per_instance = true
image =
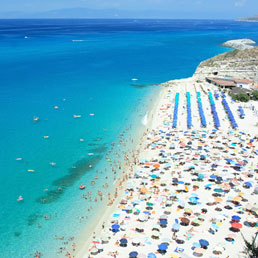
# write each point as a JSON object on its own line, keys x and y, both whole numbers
{"x": 227, "y": 9}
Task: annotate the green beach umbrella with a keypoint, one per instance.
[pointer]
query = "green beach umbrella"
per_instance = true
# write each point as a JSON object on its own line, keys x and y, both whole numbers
{"x": 188, "y": 210}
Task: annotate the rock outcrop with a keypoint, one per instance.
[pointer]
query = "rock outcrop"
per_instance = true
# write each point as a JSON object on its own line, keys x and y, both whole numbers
{"x": 249, "y": 19}
{"x": 237, "y": 63}
{"x": 240, "y": 44}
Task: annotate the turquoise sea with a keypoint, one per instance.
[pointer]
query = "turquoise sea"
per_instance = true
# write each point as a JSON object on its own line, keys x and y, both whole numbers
{"x": 82, "y": 67}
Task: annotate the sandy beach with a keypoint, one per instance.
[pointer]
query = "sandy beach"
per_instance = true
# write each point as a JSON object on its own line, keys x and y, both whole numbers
{"x": 192, "y": 191}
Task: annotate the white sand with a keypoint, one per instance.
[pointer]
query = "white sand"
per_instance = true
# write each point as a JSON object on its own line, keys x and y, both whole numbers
{"x": 160, "y": 119}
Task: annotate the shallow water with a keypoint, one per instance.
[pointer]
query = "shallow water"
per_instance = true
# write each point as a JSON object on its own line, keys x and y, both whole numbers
{"x": 84, "y": 67}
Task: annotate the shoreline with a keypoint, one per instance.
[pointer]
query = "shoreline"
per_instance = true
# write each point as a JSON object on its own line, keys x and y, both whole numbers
{"x": 83, "y": 248}
{"x": 158, "y": 117}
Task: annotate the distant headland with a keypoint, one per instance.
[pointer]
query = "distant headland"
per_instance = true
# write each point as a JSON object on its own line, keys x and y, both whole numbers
{"x": 253, "y": 18}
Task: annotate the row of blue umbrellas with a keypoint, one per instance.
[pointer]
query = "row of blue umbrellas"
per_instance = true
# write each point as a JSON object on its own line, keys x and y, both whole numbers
{"x": 203, "y": 119}
{"x": 175, "y": 117}
{"x": 189, "y": 111}
{"x": 229, "y": 112}
{"x": 214, "y": 111}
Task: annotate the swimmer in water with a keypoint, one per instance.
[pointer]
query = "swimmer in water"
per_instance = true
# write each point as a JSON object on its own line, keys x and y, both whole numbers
{"x": 20, "y": 199}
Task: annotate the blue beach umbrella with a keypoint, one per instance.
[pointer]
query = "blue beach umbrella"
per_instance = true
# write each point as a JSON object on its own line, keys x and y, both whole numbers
{"x": 248, "y": 184}
{"x": 213, "y": 176}
{"x": 203, "y": 242}
{"x": 115, "y": 226}
{"x": 215, "y": 226}
{"x": 218, "y": 190}
{"x": 235, "y": 217}
{"x": 193, "y": 199}
{"x": 151, "y": 255}
{"x": 176, "y": 226}
{"x": 162, "y": 247}
{"x": 133, "y": 254}
{"x": 163, "y": 222}
{"x": 196, "y": 245}
{"x": 123, "y": 241}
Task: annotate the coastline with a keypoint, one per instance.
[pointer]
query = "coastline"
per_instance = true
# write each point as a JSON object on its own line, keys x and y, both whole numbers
{"x": 88, "y": 234}
{"x": 158, "y": 117}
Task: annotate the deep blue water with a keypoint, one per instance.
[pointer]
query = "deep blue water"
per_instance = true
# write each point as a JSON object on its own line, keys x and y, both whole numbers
{"x": 83, "y": 67}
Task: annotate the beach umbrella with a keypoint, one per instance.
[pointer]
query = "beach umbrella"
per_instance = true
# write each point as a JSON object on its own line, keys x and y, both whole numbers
{"x": 156, "y": 165}
{"x": 151, "y": 255}
{"x": 188, "y": 210}
{"x": 236, "y": 225}
{"x": 133, "y": 254}
{"x": 176, "y": 227}
{"x": 214, "y": 226}
{"x": 185, "y": 221}
{"x": 235, "y": 217}
{"x": 163, "y": 222}
{"x": 123, "y": 241}
{"x": 193, "y": 200}
{"x": 115, "y": 226}
{"x": 162, "y": 247}
{"x": 203, "y": 242}
{"x": 218, "y": 190}
{"x": 248, "y": 184}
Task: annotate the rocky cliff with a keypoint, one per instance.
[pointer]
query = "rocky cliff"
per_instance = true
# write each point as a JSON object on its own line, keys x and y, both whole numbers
{"x": 237, "y": 63}
{"x": 240, "y": 44}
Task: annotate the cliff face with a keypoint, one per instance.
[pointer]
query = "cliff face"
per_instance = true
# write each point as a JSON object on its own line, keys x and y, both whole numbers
{"x": 237, "y": 63}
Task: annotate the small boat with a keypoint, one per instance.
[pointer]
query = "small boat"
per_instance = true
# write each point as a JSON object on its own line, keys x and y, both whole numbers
{"x": 52, "y": 163}
{"x": 36, "y": 118}
{"x": 56, "y": 107}
{"x": 76, "y": 116}
{"x": 19, "y": 159}
{"x": 31, "y": 170}
{"x": 46, "y": 136}
{"x": 134, "y": 79}
{"x": 81, "y": 187}
{"x": 92, "y": 114}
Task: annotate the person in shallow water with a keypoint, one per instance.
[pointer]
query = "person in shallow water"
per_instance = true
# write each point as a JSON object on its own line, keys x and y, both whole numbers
{"x": 20, "y": 198}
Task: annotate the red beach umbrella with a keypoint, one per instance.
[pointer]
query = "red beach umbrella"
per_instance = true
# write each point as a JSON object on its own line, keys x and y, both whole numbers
{"x": 236, "y": 225}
